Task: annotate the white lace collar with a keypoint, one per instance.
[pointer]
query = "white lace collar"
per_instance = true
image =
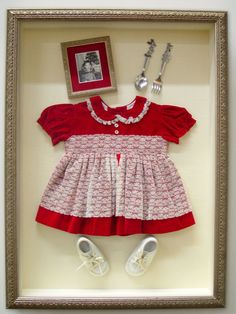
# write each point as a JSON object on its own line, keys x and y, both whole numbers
{"x": 118, "y": 117}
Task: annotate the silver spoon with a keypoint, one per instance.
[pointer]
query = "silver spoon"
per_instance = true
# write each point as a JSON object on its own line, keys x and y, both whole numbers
{"x": 141, "y": 80}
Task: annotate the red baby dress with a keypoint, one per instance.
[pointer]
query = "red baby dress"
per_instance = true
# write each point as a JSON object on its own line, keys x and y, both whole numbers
{"x": 115, "y": 177}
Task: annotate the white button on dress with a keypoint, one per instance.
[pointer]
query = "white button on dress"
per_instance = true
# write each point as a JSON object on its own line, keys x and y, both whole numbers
{"x": 116, "y": 132}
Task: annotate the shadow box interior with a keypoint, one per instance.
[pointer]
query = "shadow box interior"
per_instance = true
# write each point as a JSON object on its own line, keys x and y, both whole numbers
{"x": 184, "y": 264}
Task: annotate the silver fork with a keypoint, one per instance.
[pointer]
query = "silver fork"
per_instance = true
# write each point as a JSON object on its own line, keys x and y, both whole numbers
{"x": 157, "y": 83}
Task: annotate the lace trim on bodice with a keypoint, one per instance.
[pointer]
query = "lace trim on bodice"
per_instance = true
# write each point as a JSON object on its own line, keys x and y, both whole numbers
{"x": 119, "y": 117}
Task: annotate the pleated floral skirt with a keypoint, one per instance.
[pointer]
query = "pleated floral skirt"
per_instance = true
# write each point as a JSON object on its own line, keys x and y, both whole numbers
{"x": 115, "y": 185}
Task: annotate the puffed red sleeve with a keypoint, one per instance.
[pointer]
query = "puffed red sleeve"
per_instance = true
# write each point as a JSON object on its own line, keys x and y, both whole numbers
{"x": 56, "y": 120}
{"x": 176, "y": 121}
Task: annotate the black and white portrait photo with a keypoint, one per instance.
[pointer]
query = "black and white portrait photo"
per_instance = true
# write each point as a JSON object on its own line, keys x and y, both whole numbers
{"x": 88, "y": 66}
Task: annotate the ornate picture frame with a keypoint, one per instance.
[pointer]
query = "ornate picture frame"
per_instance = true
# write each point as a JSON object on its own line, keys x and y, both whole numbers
{"x": 88, "y": 66}
{"x": 20, "y": 217}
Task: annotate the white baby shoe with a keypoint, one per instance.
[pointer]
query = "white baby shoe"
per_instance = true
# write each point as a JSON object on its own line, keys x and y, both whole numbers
{"x": 142, "y": 256}
{"x": 91, "y": 257}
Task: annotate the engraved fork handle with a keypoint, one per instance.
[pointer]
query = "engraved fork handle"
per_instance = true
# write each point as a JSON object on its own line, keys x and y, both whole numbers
{"x": 165, "y": 58}
{"x": 163, "y": 65}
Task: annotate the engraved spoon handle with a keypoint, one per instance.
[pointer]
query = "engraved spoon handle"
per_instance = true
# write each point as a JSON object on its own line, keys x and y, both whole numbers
{"x": 148, "y": 55}
{"x": 145, "y": 65}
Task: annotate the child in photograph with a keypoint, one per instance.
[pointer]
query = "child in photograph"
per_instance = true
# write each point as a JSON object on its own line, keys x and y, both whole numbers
{"x": 87, "y": 72}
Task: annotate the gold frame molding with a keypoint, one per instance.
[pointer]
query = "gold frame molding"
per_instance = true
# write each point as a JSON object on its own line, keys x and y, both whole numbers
{"x": 219, "y": 21}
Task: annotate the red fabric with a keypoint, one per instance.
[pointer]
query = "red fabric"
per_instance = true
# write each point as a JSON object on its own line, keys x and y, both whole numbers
{"x": 176, "y": 121}
{"x": 64, "y": 120}
{"x": 118, "y": 158}
{"x": 57, "y": 121}
{"x": 107, "y": 226}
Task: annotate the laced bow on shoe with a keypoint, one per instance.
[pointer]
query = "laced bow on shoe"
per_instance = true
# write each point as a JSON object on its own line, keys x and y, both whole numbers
{"x": 92, "y": 262}
{"x": 141, "y": 260}
{"x": 142, "y": 256}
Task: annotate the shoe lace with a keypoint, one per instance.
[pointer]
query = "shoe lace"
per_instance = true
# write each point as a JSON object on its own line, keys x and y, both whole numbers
{"x": 141, "y": 259}
{"x": 92, "y": 261}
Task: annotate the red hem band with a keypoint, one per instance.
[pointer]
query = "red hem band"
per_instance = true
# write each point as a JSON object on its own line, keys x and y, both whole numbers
{"x": 108, "y": 226}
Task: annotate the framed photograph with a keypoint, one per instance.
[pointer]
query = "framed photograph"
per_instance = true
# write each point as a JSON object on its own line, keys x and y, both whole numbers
{"x": 189, "y": 268}
{"x": 88, "y": 66}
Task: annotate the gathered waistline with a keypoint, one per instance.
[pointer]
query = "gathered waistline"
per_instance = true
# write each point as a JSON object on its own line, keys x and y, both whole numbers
{"x": 114, "y": 155}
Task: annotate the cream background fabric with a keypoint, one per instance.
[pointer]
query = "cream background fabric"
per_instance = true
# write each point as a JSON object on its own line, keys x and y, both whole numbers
{"x": 189, "y": 82}
{"x": 54, "y": 247}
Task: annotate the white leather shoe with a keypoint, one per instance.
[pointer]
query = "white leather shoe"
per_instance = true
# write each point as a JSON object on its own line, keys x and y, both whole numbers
{"x": 91, "y": 257}
{"x": 142, "y": 257}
